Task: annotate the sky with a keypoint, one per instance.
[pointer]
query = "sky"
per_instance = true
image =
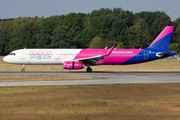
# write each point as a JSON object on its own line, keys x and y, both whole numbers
{"x": 47, "y": 8}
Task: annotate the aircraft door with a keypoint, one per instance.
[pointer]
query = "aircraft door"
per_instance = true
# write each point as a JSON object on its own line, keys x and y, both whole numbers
{"x": 23, "y": 54}
{"x": 146, "y": 55}
{"x": 57, "y": 57}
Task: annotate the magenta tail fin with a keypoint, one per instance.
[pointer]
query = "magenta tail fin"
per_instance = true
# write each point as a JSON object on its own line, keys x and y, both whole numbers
{"x": 163, "y": 40}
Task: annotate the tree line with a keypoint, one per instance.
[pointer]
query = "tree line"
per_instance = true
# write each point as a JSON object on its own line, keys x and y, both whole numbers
{"x": 100, "y": 28}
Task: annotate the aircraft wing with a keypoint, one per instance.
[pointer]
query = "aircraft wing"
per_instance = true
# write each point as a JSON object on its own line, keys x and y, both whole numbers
{"x": 91, "y": 60}
{"x": 95, "y": 59}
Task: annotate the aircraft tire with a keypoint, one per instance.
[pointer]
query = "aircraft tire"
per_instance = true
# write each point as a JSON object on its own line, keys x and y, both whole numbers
{"x": 89, "y": 69}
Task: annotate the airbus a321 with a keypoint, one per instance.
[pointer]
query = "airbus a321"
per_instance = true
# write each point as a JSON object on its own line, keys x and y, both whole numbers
{"x": 73, "y": 59}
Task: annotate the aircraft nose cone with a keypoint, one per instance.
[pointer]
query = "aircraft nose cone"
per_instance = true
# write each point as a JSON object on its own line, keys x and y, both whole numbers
{"x": 5, "y": 59}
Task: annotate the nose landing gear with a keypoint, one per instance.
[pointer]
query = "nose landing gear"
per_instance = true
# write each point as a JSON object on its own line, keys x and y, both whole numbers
{"x": 23, "y": 68}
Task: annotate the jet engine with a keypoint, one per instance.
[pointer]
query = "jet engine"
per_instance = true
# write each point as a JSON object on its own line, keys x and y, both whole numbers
{"x": 73, "y": 65}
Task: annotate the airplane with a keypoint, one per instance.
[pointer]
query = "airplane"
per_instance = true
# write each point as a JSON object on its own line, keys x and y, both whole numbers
{"x": 74, "y": 59}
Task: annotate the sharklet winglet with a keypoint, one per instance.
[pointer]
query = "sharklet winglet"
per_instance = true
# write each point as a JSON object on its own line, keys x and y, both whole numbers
{"x": 109, "y": 52}
{"x": 106, "y": 47}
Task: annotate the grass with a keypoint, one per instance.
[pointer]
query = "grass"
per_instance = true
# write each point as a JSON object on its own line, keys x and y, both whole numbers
{"x": 158, "y": 65}
{"x": 86, "y": 102}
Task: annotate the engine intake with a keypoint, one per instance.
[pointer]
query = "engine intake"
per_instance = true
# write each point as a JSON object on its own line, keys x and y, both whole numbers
{"x": 73, "y": 65}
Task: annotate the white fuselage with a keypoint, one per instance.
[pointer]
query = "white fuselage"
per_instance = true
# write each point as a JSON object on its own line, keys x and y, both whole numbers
{"x": 41, "y": 56}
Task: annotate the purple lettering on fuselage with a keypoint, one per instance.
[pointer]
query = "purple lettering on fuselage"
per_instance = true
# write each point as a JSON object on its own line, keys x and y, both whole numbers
{"x": 40, "y": 54}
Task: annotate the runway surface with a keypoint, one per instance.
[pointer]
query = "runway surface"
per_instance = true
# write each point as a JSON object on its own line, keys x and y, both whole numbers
{"x": 109, "y": 77}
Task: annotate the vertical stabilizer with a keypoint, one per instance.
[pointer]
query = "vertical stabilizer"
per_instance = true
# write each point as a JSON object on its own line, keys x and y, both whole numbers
{"x": 163, "y": 40}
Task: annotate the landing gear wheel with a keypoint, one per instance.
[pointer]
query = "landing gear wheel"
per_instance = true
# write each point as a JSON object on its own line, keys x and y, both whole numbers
{"x": 89, "y": 69}
{"x": 23, "y": 68}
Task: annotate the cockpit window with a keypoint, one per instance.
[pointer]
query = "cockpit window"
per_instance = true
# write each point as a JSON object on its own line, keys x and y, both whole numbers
{"x": 12, "y": 54}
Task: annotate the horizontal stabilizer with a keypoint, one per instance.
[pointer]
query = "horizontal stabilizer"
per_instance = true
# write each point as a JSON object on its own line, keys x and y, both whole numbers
{"x": 160, "y": 54}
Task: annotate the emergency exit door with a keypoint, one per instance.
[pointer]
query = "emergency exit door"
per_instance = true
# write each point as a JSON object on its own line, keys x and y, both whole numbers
{"x": 146, "y": 54}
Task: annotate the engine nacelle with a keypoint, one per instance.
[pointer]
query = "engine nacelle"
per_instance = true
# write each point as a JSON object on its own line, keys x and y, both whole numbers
{"x": 73, "y": 65}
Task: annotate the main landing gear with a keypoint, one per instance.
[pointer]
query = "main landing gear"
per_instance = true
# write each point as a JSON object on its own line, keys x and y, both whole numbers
{"x": 23, "y": 68}
{"x": 88, "y": 69}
